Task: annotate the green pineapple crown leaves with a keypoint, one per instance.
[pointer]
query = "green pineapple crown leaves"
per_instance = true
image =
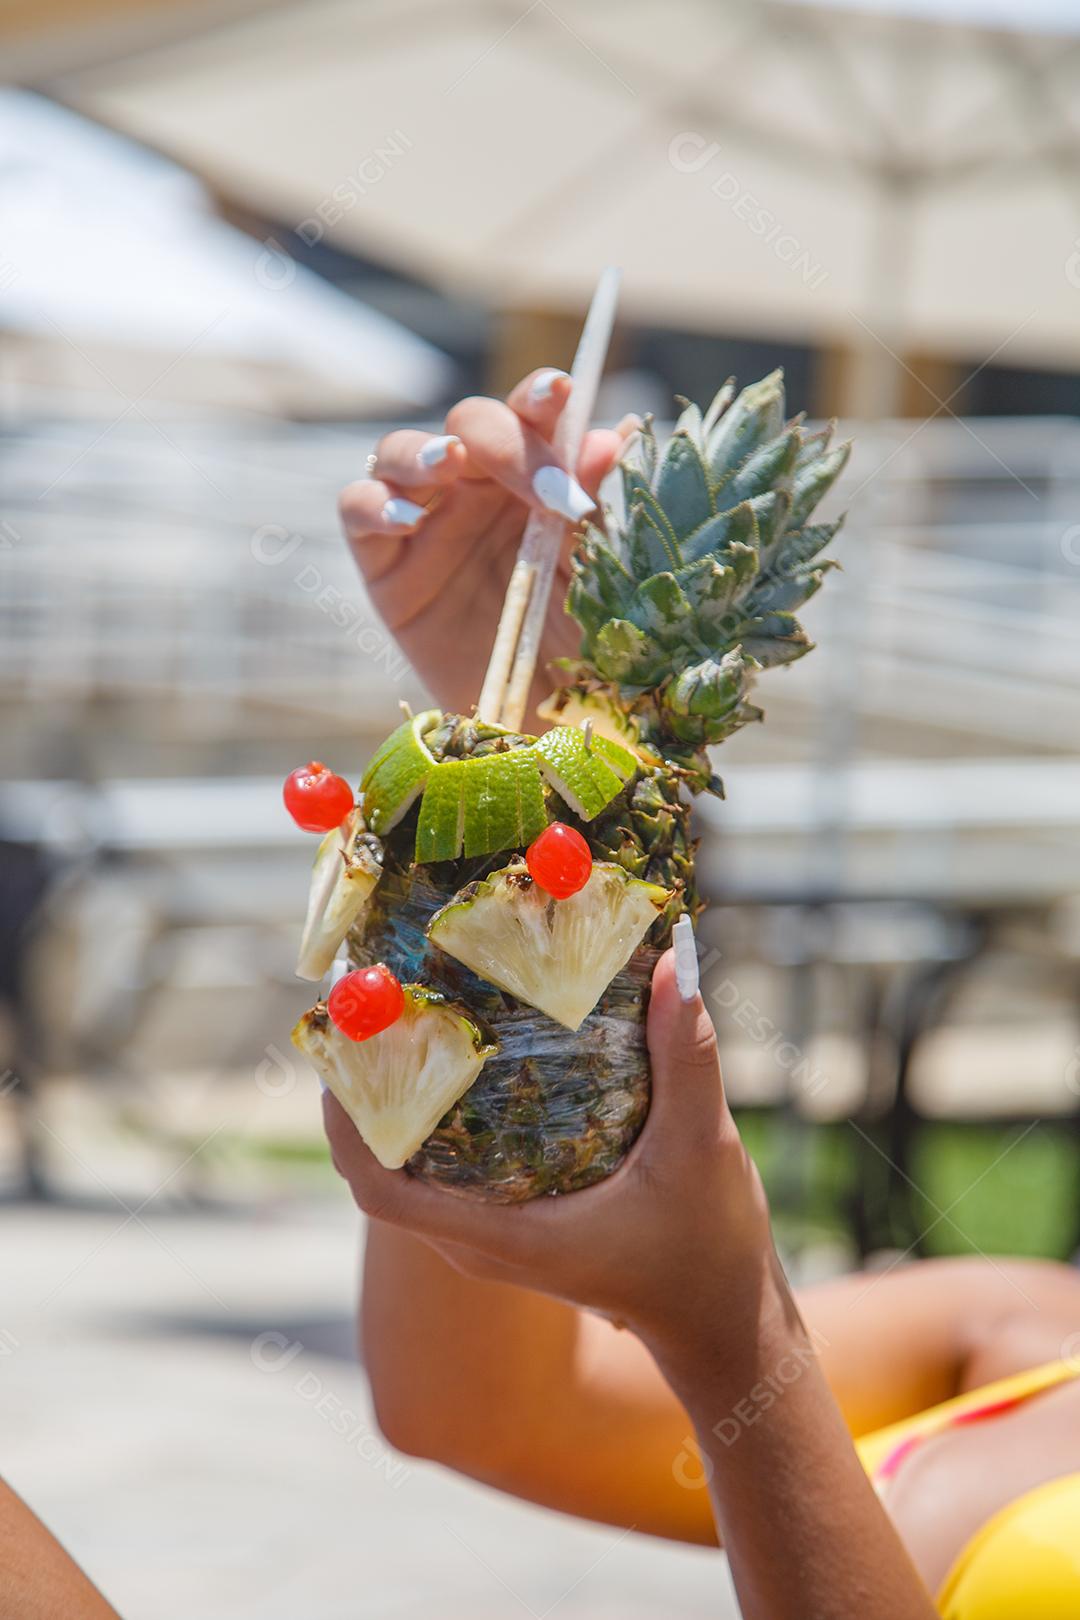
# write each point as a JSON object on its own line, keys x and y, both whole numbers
{"x": 682, "y": 603}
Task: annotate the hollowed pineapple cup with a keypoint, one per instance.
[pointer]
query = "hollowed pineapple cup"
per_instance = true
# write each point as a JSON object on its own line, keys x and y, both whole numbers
{"x": 683, "y": 597}
{"x": 553, "y": 1110}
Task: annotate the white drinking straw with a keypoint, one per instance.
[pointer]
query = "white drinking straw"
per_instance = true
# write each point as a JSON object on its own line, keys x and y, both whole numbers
{"x": 505, "y": 693}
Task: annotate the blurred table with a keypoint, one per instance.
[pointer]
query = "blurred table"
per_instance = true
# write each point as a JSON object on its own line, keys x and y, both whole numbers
{"x": 981, "y": 848}
{"x": 921, "y": 815}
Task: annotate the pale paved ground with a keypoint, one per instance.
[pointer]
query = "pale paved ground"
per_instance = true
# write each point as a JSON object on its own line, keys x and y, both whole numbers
{"x": 190, "y": 1481}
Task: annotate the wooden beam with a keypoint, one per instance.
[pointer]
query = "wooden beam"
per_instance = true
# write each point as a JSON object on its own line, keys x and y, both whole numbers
{"x": 865, "y": 383}
{"x": 23, "y": 19}
{"x": 527, "y": 338}
{"x": 44, "y": 41}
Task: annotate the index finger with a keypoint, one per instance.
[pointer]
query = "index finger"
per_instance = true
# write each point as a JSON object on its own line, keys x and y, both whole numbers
{"x": 516, "y": 456}
{"x": 418, "y": 461}
{"x": 540, "y": 397}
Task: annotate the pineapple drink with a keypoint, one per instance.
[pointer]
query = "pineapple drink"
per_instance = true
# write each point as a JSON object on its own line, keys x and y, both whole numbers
{"x": 521, "y": 888}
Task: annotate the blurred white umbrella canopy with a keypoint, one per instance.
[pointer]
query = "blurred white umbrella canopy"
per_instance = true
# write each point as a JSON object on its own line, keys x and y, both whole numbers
{"x": 874, "y": 180}
{"x": 116, "y": 278}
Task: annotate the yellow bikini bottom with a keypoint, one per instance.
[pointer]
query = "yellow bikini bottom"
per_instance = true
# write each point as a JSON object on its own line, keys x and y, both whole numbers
{"x": 1024, "y": 1563}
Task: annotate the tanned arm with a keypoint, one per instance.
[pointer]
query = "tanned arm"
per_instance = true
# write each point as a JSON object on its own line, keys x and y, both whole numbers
{"x": 696, "y": 1279}
{"x": 804, "y": 1530}
{"x": 557, "y": 1406}
{"x": 38, "y": 1581}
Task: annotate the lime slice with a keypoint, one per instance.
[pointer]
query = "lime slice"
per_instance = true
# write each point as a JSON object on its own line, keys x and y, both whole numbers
{"x": 580, "y": 772}
{"x": 504, "y": 802}
{"x": 398, "y": 773}
{"x": 440, "y": 828}
{"x": 621, "y": 760}
{"x": 478, "y": 806}
{"x": 493, "y": 801}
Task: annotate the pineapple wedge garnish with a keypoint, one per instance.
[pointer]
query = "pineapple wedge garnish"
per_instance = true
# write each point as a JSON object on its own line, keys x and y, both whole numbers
{"x": 347, "y": 868}
{"x": 396, "y": 1086}
{"x": 569, "y": 707}
{"x": 556, "y": 955}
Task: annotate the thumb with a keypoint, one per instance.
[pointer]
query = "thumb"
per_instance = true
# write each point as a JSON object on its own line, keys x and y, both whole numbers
{"x": 688, "y": 1092}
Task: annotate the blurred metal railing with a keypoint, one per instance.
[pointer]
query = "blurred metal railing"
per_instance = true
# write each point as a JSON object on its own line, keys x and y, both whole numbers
{"x": 908, "y": 809}
{"x": 202, "y": 566}
{"x": 954, "y": 621}
{"x": 202, "y": 562}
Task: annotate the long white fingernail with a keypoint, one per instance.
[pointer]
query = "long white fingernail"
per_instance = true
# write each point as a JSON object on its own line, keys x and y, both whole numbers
{"x": 560, "y": 493}
{"x": 437, "y": 450}
{"x": 399, "y": 510}
{"x": 687, "y": 979}
{"x": 543, "y": 383}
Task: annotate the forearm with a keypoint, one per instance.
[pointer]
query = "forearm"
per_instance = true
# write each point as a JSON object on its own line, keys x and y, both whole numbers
{"x": 526, "y": 1394}
{"x": 804, "y": 1530}
{"x": 434, "y": 1341}
{"x": 38, "y": 1581}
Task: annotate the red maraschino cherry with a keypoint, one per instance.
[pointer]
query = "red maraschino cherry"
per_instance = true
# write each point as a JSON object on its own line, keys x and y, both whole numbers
{"x": 316, "y": 799}
{"x": 560, "y": 860}
{"x": 366, "y": 1002}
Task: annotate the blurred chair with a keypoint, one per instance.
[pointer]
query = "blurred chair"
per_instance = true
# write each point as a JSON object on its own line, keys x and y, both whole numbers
{"x": 25, "y": 878}
{"x": 937, "y": 725}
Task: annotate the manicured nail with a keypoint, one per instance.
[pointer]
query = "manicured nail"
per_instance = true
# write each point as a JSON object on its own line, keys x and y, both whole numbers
{"x": 687, "y": 979}
{"x": 437, "y": 450}
{"x": 560, "y": 493}
{"x": 402, "y": 512}
{"x": 542, "y": 385}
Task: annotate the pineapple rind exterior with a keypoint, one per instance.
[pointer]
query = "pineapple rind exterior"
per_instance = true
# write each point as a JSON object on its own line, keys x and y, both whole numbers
{"x": 552, "y": 1110}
